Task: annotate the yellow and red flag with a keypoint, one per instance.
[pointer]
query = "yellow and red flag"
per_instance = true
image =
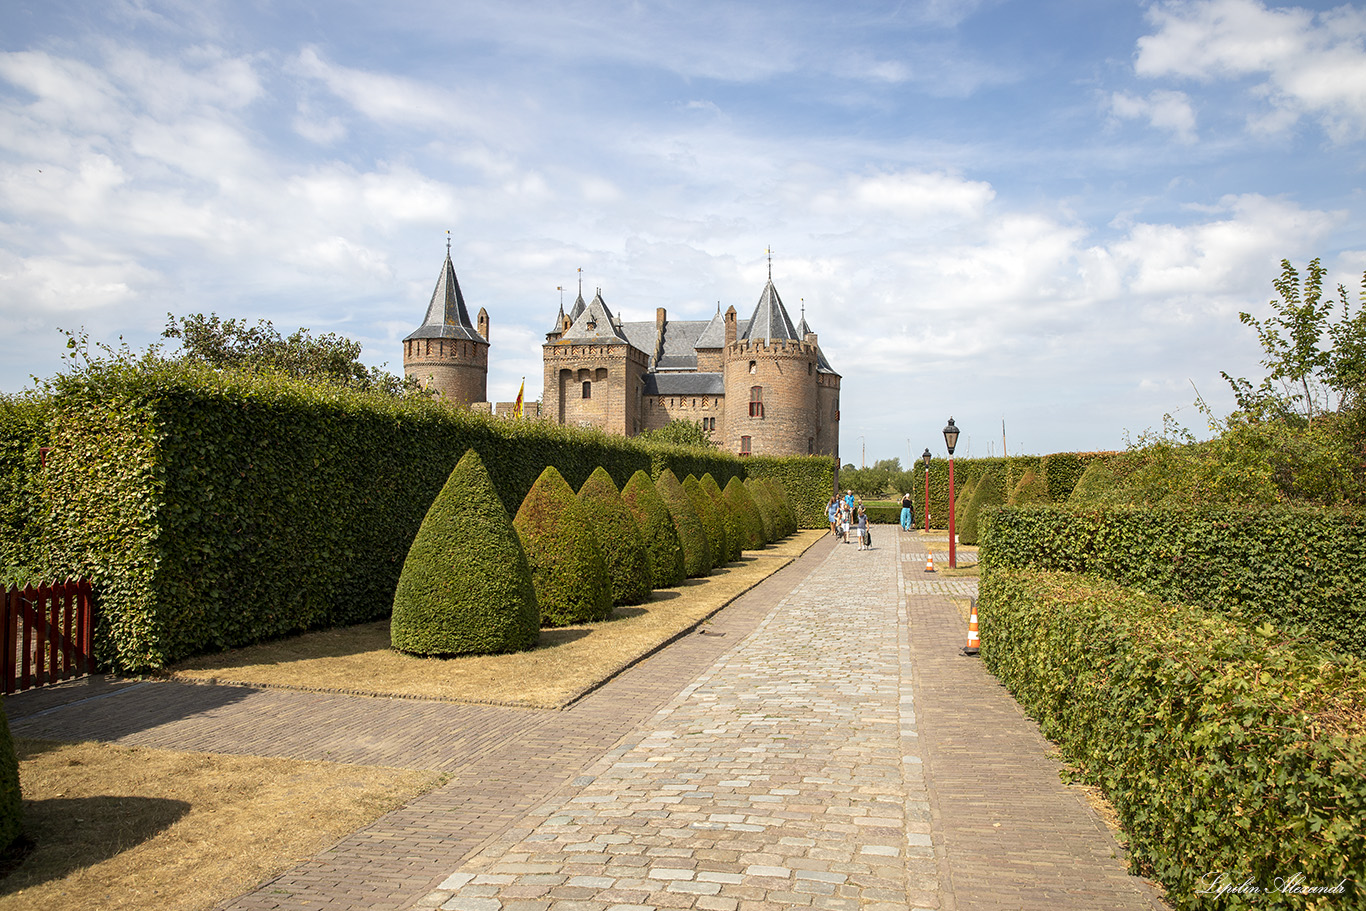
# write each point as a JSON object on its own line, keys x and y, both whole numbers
{"x": 517, "y": 408}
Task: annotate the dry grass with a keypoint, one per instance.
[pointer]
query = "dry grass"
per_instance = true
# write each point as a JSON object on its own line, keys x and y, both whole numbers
{"x": 131, "y": 827}
{"x": 568, "y": 662}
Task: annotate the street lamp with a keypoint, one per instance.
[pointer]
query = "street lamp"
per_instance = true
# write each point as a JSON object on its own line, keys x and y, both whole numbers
{"x": 925, "y": 457}
{"x": 951, "y": 440}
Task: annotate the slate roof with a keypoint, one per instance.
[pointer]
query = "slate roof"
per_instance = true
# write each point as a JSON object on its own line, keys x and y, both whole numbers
{"x": 714, "y": 335}
{"x": 595, "y": 325}
{"x": 446, "y": 314}
{"x": 684, "y": 384}
{"x": 770, "y": 320}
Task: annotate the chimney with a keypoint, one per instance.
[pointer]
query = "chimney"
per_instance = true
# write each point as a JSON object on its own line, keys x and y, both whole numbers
{"x": 730, "y": 326}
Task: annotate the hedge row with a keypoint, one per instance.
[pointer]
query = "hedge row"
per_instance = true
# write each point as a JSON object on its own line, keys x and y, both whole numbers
{"x": 1302, "y": 569}
{"x": 1059, "y": 472}
{"x": 808, "y": 480}
{"x": 1224, "y": 749}
{"x": 214, "y": 509}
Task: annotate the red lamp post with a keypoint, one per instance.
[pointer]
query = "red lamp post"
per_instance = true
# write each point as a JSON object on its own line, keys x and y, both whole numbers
{"x": 951, "y": 440}
{"x": 925, "y": 457}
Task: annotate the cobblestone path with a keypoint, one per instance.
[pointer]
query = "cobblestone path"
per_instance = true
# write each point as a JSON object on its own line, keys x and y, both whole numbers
{"x": 788, "y": 774}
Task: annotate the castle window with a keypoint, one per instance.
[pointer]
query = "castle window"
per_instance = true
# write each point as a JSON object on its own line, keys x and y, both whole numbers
{"x": 756, "y": 401}
{"x": 587, "y": 389}
{"x": 753, "y": 366}
{"x": 810, "y": 368}
{"x": 711, "y": 423}
{"x": 744, "y": 445}
{"x": 810, "y": 446}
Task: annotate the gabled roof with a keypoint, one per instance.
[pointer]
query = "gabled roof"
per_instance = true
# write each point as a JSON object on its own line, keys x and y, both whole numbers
{"x": 446, "y": 314}
{"x": 770, "y": 320}
{"x": 714, "y": 334}
{"x": 595, "y": 325}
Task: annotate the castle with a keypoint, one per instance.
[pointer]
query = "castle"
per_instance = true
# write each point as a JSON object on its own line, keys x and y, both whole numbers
{"x": 758, "y": 386}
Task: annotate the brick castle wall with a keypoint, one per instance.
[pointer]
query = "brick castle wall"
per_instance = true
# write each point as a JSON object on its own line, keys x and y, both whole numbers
{"x": 456, "y": 368}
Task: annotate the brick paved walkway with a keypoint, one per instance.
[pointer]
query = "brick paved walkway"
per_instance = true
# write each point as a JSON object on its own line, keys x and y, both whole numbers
{"x": 830, "y": 750}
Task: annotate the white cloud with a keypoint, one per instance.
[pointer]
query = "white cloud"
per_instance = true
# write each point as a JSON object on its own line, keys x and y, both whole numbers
{"x": 1313, "y": 65}
{"x": 1165, "y": 110}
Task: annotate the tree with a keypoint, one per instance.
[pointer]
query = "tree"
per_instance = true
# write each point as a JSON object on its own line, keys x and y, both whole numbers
{"x": 1293, "y": 341}
{"x": 680, "y": 432}
{"x": 232, "y": 344}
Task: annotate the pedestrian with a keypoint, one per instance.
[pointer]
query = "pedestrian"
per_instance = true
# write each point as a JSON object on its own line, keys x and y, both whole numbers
{"x": 907, "y": 512}
{"x": 832, "y": 512}
{"x": 849, "y": 500}
{"x": 845, "y": 518}
{"x": 863, "y": 539}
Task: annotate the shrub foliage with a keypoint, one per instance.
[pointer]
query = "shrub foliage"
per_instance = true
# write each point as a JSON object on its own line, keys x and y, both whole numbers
{"x": 465, "y": 587}
{"x": 1302, "y": 569}
{"x": 618, "y": 534}
{"x": 657, "y": 530}
{"x": 561, "y": 546}
{"x": 1221, "y": 747}
{"x": 691, "y": 533}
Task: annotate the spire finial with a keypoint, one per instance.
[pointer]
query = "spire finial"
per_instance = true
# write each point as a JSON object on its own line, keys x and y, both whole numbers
{"x": 560, "y": 288}
{"x": 803, "y": 300}
{"x": 580, "y": 281}
{"x": 448, "y": 244}
{"x": 769, "y": 251}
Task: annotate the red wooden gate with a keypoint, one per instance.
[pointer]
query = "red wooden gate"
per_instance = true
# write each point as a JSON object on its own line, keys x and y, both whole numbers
{"x": 47, "y": 634}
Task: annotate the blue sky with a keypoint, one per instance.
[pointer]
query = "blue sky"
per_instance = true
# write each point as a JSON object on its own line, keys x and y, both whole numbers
{"x": 1046, "y": 212}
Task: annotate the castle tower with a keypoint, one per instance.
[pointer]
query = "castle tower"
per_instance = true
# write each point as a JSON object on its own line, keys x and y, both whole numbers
{"x": 446, "y": 352}
{"x": 593, "y": 375}
{"x": 771, "y": 400}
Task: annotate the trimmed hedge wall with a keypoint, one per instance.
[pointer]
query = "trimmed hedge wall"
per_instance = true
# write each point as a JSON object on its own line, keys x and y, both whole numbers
{"x": 808, "y": 480}
{"x": 216, "y": 509}
{"x": 1060, "y": 473}
{"x": 1302, "y": 569}
{"x": 1224, "y": 749}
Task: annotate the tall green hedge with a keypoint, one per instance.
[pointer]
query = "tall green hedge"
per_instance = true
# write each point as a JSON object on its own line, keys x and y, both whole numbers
{"x": 747, "y": 511}
{"x": 712, "y": 520}
{"x": 186, "y": 494}
{"x": 1224, "y": 749}
{"x": 567, "y": 567}
{"x": 1302, "y": 569}
{"x": 730, "y": 518}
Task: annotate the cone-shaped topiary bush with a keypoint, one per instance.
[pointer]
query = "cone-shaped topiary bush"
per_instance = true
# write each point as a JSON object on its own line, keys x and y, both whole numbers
{"x": 711, "y": 518}
{"x": 787, "y": 516}
{"x": 768, "y": 511}
{"x": 11, "y": 799}
{"x": 628, "y": 564}
{"x": 962, "y": 498}
{"x": 737, "y": 495}
{"x": 657, "y": 530}
{"x": 562, "y": 547}
{"x": 466, "y": 586}
{"x": 1031, "y": 489}
{"x": 990, "y": 492}
{"x": 735, "y": 531}
{"x": 691, "y": 534}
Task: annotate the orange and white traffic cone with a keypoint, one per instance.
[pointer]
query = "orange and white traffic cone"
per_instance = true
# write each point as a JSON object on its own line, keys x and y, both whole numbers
{"x": 929, "y": 563}
{"x": 974, "y": 640}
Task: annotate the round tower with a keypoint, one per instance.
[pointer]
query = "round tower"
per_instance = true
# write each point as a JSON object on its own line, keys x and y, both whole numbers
{"x": 446, "y": 353}
{"x": 771, "y": 400}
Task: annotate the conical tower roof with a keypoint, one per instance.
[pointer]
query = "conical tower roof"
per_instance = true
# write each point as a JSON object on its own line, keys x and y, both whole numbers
{"x": 770, "y": 320}
{"x": 446, "y": 314}
{"x": 578, "y": 308}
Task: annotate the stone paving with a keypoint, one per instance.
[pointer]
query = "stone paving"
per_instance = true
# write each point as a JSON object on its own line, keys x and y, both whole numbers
{"x": 787, "y": 774}
{"x": 824, "y": 745}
